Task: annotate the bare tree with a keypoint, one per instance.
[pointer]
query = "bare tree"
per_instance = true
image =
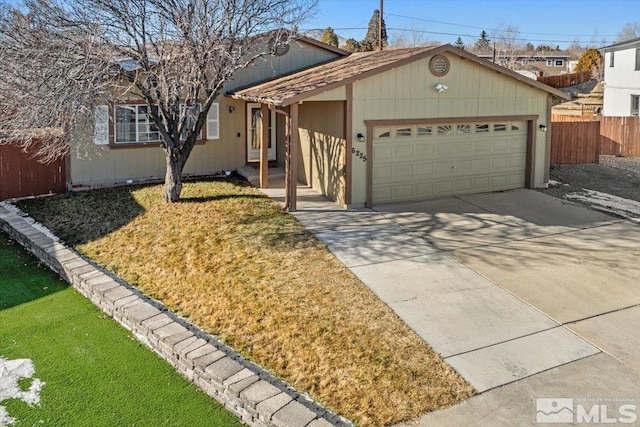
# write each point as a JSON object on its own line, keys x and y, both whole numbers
{"x": 628, "y": 32}
{"x": 60, "y": 59}
{"x": 509, "y": 50}
{"x": 414, "y": 36}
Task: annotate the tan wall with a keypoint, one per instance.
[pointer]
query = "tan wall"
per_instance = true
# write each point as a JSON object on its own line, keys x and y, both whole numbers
{"x": 97, "y": 165}
{"x": 322, "y": 143}
{"x": 300, "y": 55}
{"x": 408, "y": 93}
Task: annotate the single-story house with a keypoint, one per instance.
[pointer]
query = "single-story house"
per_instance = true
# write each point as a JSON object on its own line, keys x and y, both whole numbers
{"x": 622, "y": 78}
{"x": 411, "y": 124}
{"x": 364, "y": 129}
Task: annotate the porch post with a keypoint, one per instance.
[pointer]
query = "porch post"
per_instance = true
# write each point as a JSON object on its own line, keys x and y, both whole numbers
{"x": 287, "y": 163}
{"x": 293, "y": 157}
{"x": 264, "y": 146}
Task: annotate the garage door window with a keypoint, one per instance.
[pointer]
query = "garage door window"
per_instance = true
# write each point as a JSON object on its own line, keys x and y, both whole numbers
{"x": 463, "y": 129}
{"x": 481, "y": 128}
{"x": 384, "y": 133}
{"x": 403, "y": 132}
{"x": 425, "y": 131}
{"x": 500, "y": 127}
{"x": 445, "y": 130}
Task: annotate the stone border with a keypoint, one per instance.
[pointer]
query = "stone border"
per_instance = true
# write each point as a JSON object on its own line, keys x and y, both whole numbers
{"x": 242, "y": 387}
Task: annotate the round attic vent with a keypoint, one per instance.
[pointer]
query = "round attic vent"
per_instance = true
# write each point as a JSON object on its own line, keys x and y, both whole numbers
{"x": 439, "y": 65}
{"x": 280, "y": 49}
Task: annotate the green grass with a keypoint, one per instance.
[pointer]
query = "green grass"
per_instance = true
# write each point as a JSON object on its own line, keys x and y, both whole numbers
{"x": 96, "y": 373}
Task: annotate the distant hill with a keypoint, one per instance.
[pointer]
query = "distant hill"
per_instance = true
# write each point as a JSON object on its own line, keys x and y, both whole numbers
{"x": 316, "y": 34}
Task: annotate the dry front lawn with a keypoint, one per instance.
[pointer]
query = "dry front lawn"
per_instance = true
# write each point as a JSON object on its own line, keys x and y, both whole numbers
{"x": 228, "y": 259}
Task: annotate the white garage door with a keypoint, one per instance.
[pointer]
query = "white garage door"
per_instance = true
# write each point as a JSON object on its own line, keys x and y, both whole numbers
{"x": 425, "y": 161}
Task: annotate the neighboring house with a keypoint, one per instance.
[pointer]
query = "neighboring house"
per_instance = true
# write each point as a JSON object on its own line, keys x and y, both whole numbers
{"x": 542, "y": 63}
{"x": 622, "y": 78}
{"x": 411, "y": 124}
{"x": 126, "y": 143}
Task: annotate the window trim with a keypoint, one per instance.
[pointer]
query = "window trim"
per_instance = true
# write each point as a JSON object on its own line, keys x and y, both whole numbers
{"x": 558, "y": 63}
{"x": 136, "y": 107}
{"x": 124, "y": 145}
{"x": 635, "y": 105}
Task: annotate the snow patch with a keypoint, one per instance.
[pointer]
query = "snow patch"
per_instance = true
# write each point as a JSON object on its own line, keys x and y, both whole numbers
{"x": 625, "y": 208}
{"x": 12, "y": 371}
{"x": 41, "y": 228}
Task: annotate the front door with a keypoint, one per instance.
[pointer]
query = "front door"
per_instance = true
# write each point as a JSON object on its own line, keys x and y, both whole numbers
{"x": 254, "y": 133}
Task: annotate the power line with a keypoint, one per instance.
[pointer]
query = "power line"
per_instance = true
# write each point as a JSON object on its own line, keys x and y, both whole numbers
{"x": 472, "y": 36}
{"x": 497, "y": 29}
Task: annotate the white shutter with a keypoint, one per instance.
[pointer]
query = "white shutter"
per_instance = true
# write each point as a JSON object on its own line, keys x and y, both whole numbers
{"x": 101, "y": 125}
{"x": 213, "y": 122}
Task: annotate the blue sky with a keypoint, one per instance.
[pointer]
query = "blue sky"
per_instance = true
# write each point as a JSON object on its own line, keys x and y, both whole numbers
{"x": 552, "y": 22}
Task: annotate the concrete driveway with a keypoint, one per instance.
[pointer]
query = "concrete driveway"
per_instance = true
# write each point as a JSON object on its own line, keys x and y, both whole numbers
{"x": 525, "y": 295}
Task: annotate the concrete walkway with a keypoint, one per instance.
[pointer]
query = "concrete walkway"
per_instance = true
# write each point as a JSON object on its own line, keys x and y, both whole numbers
{"x": 461, "y": 273}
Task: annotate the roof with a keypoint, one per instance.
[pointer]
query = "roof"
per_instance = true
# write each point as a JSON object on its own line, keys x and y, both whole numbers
{"x": 304, "y": 84}
{"x": 526, "y": 54}
{"x": 632, "y": 43}
{"x": 322, "y": 45}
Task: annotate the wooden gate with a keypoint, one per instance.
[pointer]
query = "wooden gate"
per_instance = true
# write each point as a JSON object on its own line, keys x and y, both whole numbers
{"x": 21, "y": 175}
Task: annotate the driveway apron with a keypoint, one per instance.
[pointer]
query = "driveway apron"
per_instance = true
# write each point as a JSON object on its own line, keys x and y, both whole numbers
{"x": 486, "y": 333}
{"x": 525, "y": 295}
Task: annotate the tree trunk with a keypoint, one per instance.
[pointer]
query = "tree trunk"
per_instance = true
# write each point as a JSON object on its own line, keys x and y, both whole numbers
{"x": 173, "y": 178}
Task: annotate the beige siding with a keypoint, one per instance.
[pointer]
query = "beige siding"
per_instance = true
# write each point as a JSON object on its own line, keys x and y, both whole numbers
{"x": 300, "y": 55}
{"x": 337, "y": 94}
{"x": 322, "y": 147}
{"x": 98, "y": 165}
{"x": 408, "y": 92}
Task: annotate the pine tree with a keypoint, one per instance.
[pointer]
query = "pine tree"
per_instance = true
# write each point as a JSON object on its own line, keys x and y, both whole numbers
{"x": 329, "y": 37}
{"x": 483, "y": 42}
{"x": 371, "y": 40}
{"x": 459, "y": 44}
{"x": 351, "y": 45}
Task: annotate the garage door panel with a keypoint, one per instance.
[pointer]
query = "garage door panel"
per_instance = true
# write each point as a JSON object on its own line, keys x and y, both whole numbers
{"x": 424, "y": 189}
{"x": 423, "y": 170}
{"x": 482, "y": 165}
{"x": 403, "y": 171}
{"x": 403, "y": 152}
{"x": 424, "y": 149}
{"x": 443, "y": 169}
{"x": 425, "y": 161}
{"x": 382, "y": 153}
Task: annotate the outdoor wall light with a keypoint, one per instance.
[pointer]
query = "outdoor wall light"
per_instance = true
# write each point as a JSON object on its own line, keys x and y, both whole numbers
{"x": 441, "y": 88}
{"x": 231, "y": 109}
{"x": 360, "y": 137}
{"x": 543, "y": 128}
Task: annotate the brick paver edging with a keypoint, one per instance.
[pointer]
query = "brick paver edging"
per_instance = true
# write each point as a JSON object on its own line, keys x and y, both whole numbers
{"x": 243, "y": 387}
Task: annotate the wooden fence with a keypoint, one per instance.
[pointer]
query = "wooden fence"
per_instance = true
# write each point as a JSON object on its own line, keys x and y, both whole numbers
{"x": 566, "y": 80}
{"x": 619, "y": 136}
{"x": 21, "y": 175}
{"x": 574, "y": 143}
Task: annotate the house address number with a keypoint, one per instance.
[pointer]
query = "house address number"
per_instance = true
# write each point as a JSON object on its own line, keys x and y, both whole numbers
{"x": 359, "y": 154}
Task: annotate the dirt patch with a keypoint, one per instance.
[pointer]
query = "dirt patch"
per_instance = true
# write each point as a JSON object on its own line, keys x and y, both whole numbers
{"x": 619, "y": 176}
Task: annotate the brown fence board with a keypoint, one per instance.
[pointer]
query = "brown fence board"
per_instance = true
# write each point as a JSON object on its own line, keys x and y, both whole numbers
{"x": 566, "y": 80}
{"x": 575, "y": 143}
{"x": 21, "y": 175}
{"x": 618, "y": 135}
